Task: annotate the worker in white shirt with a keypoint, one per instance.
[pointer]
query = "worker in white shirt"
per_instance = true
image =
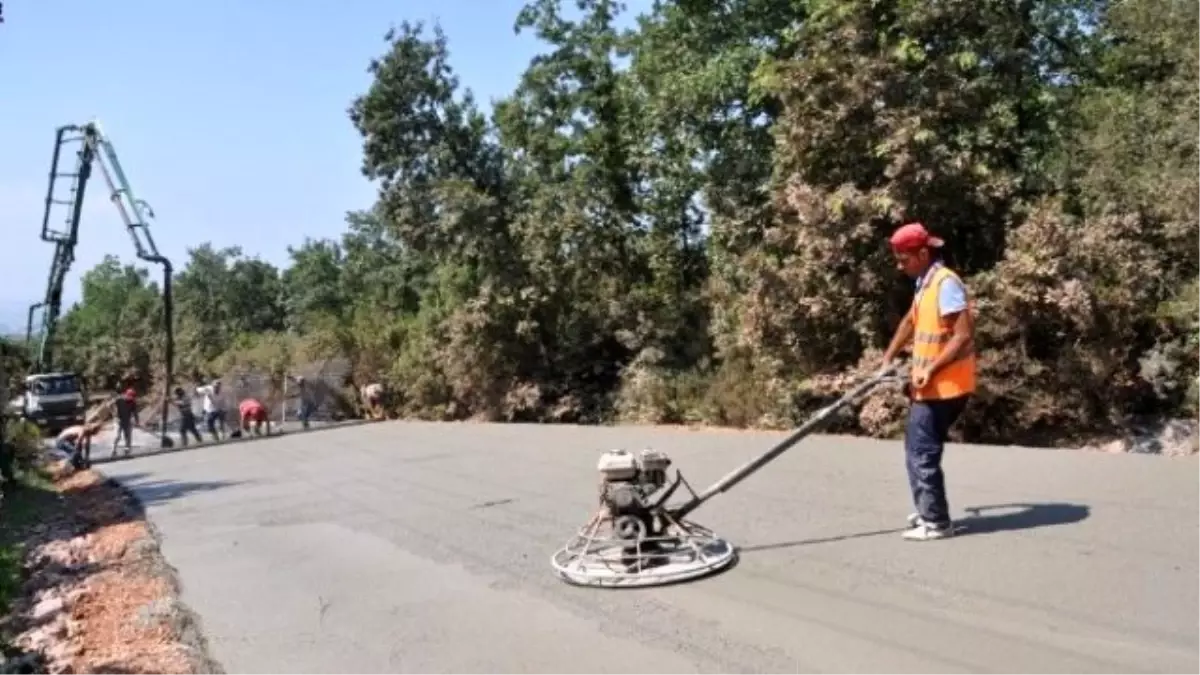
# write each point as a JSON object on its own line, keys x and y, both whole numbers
{"x": 214, "y": 409}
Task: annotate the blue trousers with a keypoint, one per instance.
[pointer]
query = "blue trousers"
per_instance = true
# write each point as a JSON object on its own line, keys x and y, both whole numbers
{"x": 75, "y": 454}
{"x": 929, "y": 424}
{"x": 305, "y": 411}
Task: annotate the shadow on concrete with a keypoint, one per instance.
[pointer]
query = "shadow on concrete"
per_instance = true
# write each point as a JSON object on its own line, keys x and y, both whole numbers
{"x": 818, "y": 540}
{"x": 1021, "y": 516}
{"x": 107, "y": 501}
{"x": 146, "y": 492}
{"x": 1016, "y": 517}
{"x": 41, "y": 510}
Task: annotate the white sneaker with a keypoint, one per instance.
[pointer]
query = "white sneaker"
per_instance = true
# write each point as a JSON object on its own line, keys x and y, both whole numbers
{"x": 914, "y": 519}
{"x": 925, "y": 532}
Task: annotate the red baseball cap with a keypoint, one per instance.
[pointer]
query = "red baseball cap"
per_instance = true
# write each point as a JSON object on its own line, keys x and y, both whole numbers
{"x": 914, "y": 236}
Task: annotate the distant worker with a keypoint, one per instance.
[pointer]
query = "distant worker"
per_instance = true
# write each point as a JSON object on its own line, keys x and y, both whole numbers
{"x": 214, "y": 409}
{"x": 187, "y": 417}
{"x": 76, "y": 443}
{"x": 125, "y": 407}
{"x": 304, "y": 403}
{"x": 372, "y": 395}
{"x": 252, "y": 410}
{"x": 940, "y": 329}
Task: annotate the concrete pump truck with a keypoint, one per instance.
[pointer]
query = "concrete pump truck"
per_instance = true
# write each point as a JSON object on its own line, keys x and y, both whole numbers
{"x": 53, "y": 398}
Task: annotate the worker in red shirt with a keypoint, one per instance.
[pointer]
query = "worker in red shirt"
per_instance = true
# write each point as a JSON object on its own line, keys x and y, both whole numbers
{"x": 126, "y": 412}
{"x": 251, "y": 410}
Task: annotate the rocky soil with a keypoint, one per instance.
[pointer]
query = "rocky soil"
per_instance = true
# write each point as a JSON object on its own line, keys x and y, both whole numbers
{"x": 1174, "y": 438}
{"x": 98, "y": 595}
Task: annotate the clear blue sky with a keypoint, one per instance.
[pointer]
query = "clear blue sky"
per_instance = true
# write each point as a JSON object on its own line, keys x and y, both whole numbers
{"x": 228, "y": 116}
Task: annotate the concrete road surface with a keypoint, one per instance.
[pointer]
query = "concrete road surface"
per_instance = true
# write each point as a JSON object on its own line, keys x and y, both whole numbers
{"x": 405, "y": 547}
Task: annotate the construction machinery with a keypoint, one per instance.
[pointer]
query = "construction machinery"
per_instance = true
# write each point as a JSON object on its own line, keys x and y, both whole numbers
{"x": 635, "y": 539}
{"x": 60, "y": 227}
{"x": 52, "y": 401}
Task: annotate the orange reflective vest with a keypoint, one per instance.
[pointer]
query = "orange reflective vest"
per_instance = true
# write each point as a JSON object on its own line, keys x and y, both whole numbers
{"x": 930, "y": 335}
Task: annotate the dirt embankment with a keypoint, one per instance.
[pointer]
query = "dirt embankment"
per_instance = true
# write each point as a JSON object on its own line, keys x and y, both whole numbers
{"x": 97, "y": 595}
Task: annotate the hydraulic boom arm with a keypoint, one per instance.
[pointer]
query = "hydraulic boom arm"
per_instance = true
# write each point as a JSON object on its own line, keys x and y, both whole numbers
{"x": 64, "y": 235}
{"x": 94, "y": 147}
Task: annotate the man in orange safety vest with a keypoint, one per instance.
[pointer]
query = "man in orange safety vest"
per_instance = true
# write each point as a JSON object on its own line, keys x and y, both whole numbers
{"x": 940, "y": 328}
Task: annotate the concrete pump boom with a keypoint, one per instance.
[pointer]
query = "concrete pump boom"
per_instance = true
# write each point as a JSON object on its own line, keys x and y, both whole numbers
{"x": 94, "y": 148}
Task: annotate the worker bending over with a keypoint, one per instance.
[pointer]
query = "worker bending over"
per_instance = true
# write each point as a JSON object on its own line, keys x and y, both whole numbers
{"x": 76, "y": 443}
{"x": 251, "y": 410}
{"x": 372, "y": 395}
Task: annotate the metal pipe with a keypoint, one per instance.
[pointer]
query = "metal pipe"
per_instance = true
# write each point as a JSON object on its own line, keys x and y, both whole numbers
{"x": 744, "y": 471}
{"x": 169, "y": 347}
{"x": 135, "y": 213}
{"x": 33, "y": 309}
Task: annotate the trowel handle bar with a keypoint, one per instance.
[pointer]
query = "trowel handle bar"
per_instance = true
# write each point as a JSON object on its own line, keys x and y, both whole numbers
{"x": 744, "y": 471}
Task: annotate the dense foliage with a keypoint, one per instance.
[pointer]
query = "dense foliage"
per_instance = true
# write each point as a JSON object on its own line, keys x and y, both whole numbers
{"x": 685, "y": 221}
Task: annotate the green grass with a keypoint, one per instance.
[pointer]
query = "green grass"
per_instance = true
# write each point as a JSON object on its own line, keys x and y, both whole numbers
{"x": 31, "y": 501}
{"x": 10, "y": 576}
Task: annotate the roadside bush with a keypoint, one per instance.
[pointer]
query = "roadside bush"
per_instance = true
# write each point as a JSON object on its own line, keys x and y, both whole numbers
{"x": 25, "y": 439}
{"x": 10, "y": 576}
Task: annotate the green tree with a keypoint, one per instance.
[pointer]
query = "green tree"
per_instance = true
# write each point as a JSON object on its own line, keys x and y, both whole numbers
{"x": 441, "y": 223}
{"x": 893, "y": 111}
{"x": 114, "y": 333}
{"x": 314, "y": 284}
{"x": 686, "y": 219}
{"x": 219, "y": 296}
{"x": 1088, "y": 305}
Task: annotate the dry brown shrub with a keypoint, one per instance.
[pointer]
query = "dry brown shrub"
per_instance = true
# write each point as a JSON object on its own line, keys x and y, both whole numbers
{"x": 1063, "y": 322}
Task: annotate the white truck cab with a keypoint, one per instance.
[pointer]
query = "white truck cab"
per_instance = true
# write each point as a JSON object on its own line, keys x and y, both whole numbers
{"x": 51, "y": 400}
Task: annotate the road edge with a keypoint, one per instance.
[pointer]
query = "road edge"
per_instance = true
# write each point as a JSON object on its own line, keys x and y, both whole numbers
{"x": 186, "y": 624}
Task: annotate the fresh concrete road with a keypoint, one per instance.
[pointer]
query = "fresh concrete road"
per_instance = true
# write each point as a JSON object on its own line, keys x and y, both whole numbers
{"x": 145, "y": 442}
{"x": 408, "y": 547}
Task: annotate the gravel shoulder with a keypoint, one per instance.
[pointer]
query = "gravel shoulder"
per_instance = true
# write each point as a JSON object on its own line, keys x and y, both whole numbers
{"x": 95, "y": 593}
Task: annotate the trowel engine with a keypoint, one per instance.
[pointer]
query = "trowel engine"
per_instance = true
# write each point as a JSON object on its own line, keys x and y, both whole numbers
{"x": 632, "y": 490}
